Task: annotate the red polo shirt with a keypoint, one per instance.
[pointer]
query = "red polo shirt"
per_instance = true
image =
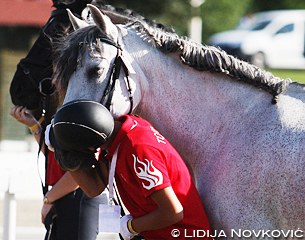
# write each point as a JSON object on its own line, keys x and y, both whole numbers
{"x": 147, "y": 162}
{"x": 54, "y": 171}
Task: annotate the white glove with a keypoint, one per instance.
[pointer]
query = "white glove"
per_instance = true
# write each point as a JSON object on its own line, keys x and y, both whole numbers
{"x": 126, "y": 234}
{"x": 47, "y": 136}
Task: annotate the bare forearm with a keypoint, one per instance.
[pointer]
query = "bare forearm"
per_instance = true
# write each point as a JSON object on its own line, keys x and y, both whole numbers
{"x": 64, "y": 186}
{"x": 157, "y": 219}
{"x": 169, "y": 212}
{"x": 90, "y": 181}
{"x": 23, "y": 115}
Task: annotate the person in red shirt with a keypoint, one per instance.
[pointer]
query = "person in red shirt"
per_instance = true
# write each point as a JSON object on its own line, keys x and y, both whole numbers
{"x": 152, "y": 179}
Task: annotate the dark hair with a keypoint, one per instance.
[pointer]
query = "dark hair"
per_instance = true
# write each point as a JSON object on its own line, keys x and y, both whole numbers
{"x": 73, "y": 160}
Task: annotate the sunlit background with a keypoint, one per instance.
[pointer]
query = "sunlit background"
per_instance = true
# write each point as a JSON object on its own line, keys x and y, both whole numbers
{"x": 20, "y": 22}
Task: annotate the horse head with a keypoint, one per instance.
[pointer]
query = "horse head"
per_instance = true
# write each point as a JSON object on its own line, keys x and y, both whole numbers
{"x": 102, "y": 70}
{"x": 31, "y": 85}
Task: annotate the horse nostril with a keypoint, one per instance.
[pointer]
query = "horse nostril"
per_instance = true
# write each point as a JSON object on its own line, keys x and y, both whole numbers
{"x": 94, "y": 72}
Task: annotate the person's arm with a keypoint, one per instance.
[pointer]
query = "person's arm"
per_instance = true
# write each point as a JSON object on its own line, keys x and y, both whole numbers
{"x": 169, "y": 212}
{"x": 23, "y": 115}
{"x": 90, "y": 181}
{"x": 65, "y": 185}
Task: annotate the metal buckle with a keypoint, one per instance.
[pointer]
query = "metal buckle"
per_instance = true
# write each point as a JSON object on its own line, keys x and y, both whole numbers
{"x": 46, "y": 87}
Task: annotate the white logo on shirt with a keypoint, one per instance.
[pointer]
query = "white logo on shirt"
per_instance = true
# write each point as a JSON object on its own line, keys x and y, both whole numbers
{"x": 135, "y": 123}
{"x": 159, "y": 137}
{"x": 148, "y": 173}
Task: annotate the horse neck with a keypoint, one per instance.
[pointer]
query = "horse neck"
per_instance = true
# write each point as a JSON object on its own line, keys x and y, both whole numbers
{"x": 165, "y": 80}
{"x": 175, "y": 96}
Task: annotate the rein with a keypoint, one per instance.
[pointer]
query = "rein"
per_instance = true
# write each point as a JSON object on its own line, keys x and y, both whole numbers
{"x": 115, "y": 75}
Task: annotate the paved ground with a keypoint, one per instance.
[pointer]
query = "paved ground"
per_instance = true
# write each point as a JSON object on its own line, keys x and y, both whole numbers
{"x": 19, "y": 173}
{"x": 28, "y": 224}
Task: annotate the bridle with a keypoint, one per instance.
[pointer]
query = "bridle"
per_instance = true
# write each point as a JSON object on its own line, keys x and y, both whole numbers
{"x": 44, "y": 86}
{"x": 115, "y": 75}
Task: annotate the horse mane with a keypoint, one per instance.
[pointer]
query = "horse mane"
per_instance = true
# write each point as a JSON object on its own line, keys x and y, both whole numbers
{"x": 200, "y": 57}
{"x": 213, "y": 59}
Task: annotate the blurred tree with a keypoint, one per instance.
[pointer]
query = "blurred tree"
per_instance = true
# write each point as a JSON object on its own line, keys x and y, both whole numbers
{"x": 148, "y": 8}
{"x": 263, "y": 5}
{"x": 173, "y": 13}
{"x": 217, "y": 15}
{"x": 221, "y": 15}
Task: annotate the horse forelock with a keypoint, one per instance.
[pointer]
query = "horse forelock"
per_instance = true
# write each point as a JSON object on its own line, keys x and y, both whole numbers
{"x": 210, "y": 58}
{"x": 68, "y": 52}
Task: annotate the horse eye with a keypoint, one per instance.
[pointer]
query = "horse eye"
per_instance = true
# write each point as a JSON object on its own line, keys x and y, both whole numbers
{"x": 95, "y": 72}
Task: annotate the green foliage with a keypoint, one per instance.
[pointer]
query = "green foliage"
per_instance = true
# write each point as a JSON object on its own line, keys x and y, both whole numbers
{"x": 263, "y": 5}
{"x": 221, "y": 15}
{"x": 148, "y": 8}
{"x": 171, "y": 13}
{"x": 171, "y": 17}
{"x": 217, "y": 15}
{"x": 294, "y": 75}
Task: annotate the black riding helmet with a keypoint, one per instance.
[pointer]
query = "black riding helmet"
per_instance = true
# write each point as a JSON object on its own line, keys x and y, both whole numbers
{"x": 81, "y": 125}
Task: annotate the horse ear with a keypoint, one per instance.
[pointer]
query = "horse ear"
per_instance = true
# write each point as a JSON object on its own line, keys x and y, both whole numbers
{"x": 103, "y": 22}
{"x": 116, "y": 18}
{"x": 76, "y": 22}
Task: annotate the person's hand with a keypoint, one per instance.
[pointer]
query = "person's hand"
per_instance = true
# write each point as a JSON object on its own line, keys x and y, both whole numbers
{"x": 124, "y": 230}
{"x": 23, "y": 115}
{"x": 46, "y": 208}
